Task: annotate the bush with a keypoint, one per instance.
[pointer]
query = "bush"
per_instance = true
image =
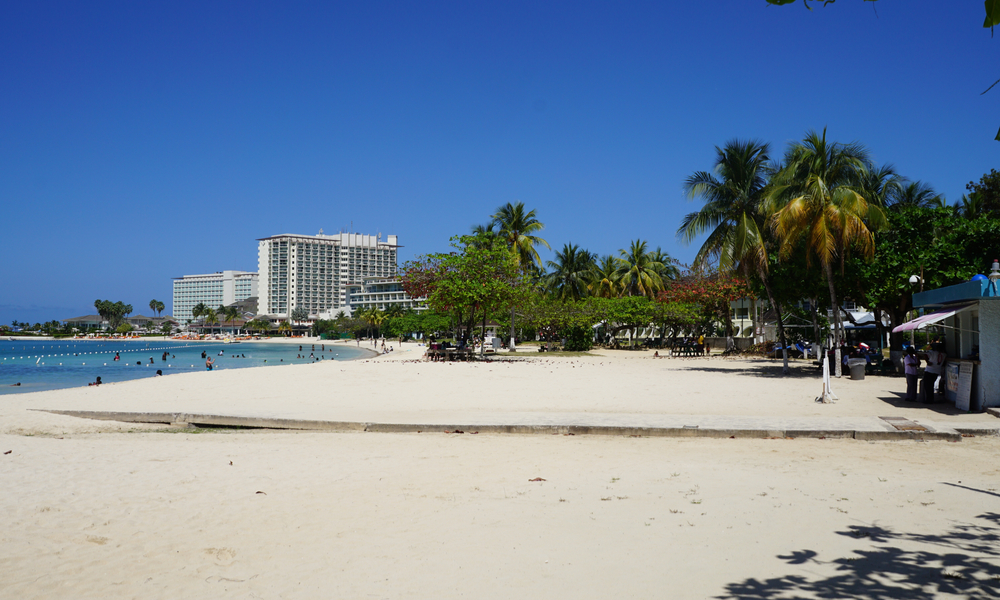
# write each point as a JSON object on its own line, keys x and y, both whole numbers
{"x": 579, "y": 339}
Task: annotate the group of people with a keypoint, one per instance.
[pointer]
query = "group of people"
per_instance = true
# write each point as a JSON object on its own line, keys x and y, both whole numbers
{"x": 935, "y": 358}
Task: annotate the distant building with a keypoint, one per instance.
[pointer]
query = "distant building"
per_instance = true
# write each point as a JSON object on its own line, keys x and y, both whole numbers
{"x": 316, "y": 272}
{"x": 214, "y": 290}
{"x": 381, "y": 293}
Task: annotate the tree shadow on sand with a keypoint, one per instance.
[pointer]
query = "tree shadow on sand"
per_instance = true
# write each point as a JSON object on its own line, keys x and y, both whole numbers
{"x": 963, "y": 562}
{"x": 762, "y": 369}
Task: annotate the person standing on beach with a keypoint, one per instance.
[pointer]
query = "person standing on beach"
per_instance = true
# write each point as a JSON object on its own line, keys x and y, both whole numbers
{"x": 911, "y": 362}
{"x": 935, "y": 358}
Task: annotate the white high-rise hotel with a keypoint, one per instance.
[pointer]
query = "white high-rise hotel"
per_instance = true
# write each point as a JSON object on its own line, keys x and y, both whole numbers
{"x": 314, "y": 271}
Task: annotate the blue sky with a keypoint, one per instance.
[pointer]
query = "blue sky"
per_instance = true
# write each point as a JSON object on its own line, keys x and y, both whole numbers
{"x": 141, "y": 142}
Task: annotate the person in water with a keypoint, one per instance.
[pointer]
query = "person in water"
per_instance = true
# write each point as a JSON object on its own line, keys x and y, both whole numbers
{"x": 98, "y": 382}
{"x": 208, "y": 364}
{"x": 159, "y": 372}
{"x": 117, "y": 357}
{"x": 203, "y": 354}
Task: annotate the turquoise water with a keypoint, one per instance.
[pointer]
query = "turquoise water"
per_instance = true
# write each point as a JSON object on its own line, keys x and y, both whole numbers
{"x": 56, "y": 364}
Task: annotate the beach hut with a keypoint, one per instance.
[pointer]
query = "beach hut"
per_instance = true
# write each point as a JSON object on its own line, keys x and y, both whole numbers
{"x": 968, "y": 316}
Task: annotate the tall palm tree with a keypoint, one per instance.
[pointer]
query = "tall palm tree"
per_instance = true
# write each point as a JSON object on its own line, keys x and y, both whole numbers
{"x": 637, "y": 273}
{"x": 231, "y": 313}
{"x": 210, "y": 317}
{"x": 568, "y": 279}
{"x": 881, "y": 185}
{"x": 518, "y": 227}
{"x": 818, "y": 208}
{"x": 152, "y": 306}
{"x": 669, "y": 270}
{"x": 160, "y": 307}
{"x": 285, "y": 328}
{"x": 198, "y": 310}
{"x": 734, "y": 216}
{"x": 601, "y": 279}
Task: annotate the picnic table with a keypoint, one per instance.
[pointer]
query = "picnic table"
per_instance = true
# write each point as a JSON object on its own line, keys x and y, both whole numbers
{"x": 686, "y": 349}
{"x": 449, "y": 354}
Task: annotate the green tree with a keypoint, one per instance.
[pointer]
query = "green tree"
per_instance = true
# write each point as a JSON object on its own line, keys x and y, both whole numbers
{"x": 167, "y": 328}
{"x": 519, "y": 228}
{"x": 230, "y": 314}
{"x": 735, "y": 218}
{"x": 601, "y": 280}
{"x": 914, "y": 193}
{"x": 818, "y": 208}
{"x": 479, "y": 278}
{"x": 210, "y": 317}
{"x": 569, "y": 272}
{"x": 987, "y": 192}
{"x": 300, "y": 314}
{"x": 638, "y": 273}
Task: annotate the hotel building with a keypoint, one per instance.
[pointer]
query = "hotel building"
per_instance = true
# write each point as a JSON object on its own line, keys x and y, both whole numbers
{"x": 381, "y": 293}
{"x": 315, "y": 272}
{"x": 214, "y": 290}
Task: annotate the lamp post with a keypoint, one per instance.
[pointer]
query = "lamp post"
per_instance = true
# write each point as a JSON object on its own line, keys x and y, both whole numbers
{"x": 914, "y": 280}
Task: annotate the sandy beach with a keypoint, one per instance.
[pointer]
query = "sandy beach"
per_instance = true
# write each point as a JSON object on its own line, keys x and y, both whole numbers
{"x": 122, "y": 510}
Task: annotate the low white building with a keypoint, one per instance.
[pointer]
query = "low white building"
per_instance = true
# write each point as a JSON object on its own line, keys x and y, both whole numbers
{"x": 381, "y": 293}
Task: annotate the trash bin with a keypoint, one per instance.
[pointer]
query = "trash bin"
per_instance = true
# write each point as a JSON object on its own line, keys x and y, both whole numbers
{"x": 857, "y": 366}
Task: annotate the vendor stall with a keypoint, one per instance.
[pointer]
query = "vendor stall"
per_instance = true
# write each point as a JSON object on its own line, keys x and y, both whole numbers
{"x": 967, "y": 315}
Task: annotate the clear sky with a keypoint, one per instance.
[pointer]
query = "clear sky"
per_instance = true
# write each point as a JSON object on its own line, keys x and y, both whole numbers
{"x": 145, "y": 141}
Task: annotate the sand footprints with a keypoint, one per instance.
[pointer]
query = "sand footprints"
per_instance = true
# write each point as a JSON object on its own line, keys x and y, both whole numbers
{"x": 222, "y": 557}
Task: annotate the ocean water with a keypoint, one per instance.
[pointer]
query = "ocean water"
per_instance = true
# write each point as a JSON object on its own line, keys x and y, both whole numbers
{"x": 55, "y": 364}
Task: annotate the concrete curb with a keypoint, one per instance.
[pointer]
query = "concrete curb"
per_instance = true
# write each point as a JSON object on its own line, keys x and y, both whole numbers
{"x": 200, "y": 420}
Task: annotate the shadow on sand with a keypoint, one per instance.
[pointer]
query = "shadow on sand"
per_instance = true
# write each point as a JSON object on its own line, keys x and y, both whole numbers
{"x": 962, "y": 562}
{"x": 898, "y": 400}
{"x": 763, "y": 369}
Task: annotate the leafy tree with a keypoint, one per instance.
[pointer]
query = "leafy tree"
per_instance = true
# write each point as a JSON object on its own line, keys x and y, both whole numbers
{"x": 818, "y": 208}
{"x": 285, "y": 328}
{"x": 712, "y": 294}
{"x": 568, "y": 278}
{"x": 124, "y": 328}
{"x": 480, "y": 277}
{"x": 113, "y": 312}
{"x": 300, "y": 314}
{"x": 167, "y": 327}
{"x": 986, "y": 192}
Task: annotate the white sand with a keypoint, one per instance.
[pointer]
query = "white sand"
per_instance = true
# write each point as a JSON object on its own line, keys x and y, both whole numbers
{"x": 95, "y": 513}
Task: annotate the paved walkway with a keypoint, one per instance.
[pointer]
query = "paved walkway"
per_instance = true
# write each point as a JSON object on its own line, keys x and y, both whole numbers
{"x": 862, "y": 428}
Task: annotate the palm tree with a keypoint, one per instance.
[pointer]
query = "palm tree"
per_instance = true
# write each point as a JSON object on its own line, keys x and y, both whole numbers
{"x": 881, "y": 186}
{"x": 518, "y": 229}
{"x": 210, "y": 317}
{"x": 818, "y": 208}
{"x": 160, "y": 308}
{"x": 285, "y": 327}
{"x": 970, "y": 206}
{"x": 734, "y": 216}
{"x": 669, "y": 270}
{"x": 637, "y": 273}
{"x": 915, "y": 193}
{"x": 602, "y": 282}
{"x": 231, "y": 313}
{"x": 152, "y": 305}
{"x": 568, "y": 279}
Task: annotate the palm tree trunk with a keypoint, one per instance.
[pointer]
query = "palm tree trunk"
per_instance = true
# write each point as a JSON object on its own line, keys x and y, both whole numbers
{"x": 781, "y": 325}
{"x": 837, "y": 328}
